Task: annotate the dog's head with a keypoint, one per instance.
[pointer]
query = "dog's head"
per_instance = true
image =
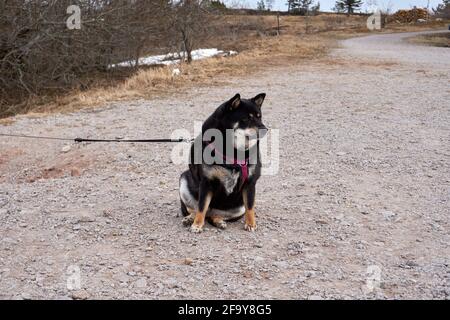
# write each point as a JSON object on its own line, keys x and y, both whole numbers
{"x": 244, "y": 117}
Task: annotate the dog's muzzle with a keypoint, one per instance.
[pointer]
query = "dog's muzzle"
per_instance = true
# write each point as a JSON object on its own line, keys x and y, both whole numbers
{"x": 262, "y": 131}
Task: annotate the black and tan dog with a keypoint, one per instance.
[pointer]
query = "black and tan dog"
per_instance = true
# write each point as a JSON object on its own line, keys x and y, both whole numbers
{"x": 224, "y": 166}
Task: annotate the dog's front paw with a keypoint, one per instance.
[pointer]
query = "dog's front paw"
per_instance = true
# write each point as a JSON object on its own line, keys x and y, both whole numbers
{"x": 250, "y": 221}
{"x": 250, "y": 227}
{"x": 187, "y": 221}
{"x": 196, "y": 228}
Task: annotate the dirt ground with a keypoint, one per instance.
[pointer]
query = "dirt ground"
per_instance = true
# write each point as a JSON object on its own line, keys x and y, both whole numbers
{"x": 358, "y": 209}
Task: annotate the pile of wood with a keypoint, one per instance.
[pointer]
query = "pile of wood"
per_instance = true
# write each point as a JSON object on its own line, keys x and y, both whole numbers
{"x": 413, "y": 15}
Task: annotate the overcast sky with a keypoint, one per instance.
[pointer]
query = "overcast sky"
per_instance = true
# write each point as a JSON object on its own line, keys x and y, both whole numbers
{"x": 326, "y": 5}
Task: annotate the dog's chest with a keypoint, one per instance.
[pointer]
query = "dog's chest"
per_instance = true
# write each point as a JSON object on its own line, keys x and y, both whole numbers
{"x": 228, "y": 177}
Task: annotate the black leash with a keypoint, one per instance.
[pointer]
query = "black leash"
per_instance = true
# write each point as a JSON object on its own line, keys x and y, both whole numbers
{"x": 131, "y": 140}
{"x": 95, "y": 140}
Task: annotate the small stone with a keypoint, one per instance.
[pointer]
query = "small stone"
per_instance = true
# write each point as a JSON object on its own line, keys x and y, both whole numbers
{"x": 188, "y": 261}
{"x": 171, "y": 283}
{"x": 66, "y": 149}
{"x": 281, "y": 264}
{"x": 388, "y": 215}
{"x": 259, "y": 259}
{"x": 86, "y": 219}
{"x": 26, "y": 296}
{"x": 74, "y": 172}
{"x": 76, "y": 227}
{"x": 141, "y": 283}
{"x": 411, "y": 263}
{"x": 80, "y": 295}
{"x": 310, "y": 274}
{"x": 176, "y": 72}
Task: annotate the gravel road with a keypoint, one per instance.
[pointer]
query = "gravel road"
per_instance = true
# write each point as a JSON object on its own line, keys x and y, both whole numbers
{"x": 359, "y": 208}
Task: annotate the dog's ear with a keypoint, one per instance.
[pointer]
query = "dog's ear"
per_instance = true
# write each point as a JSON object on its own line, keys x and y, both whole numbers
{"x": 234, "y": 102}
{"x": 259, "y": 99}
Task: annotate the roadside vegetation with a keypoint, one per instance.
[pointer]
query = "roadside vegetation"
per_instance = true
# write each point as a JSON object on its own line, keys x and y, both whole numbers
{"x": 47, "y": 67}
{"x": 435, "y": 40}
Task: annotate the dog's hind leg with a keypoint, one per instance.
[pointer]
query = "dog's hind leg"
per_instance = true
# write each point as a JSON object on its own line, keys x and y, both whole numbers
{"x": 184, "y": 210}
{"x": 217, "y": 221}
{"x": 203, "y": 205}
{"x": 189, "y": 217}
{"x": 187, "y": 200}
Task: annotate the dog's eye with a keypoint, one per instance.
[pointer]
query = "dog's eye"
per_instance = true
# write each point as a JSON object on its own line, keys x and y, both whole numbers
{"x": 251, "y": 115}
{"x": 258, "y": 115}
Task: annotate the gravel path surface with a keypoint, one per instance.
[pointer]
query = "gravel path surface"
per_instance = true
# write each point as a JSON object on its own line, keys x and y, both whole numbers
{"x": 359, "y": 208}
{"x": 393, "y": 47}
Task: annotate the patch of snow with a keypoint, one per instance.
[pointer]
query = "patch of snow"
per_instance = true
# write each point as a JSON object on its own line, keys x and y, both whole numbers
{"x": 173, "y": 58}
{"x": 176, "y": 72}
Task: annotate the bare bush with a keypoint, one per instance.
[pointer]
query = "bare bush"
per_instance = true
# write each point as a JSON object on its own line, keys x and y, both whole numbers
{"x": 190, "y": 21}
{"x": 38, "y": 52}
{"x": 443, "y": 10}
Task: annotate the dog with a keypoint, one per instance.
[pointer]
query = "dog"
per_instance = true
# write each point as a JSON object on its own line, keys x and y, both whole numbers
{"x": 224, "y": 166}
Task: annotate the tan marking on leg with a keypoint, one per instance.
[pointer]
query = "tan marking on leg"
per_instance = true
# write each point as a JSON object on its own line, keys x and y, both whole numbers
{"x": 218, "y": 222}
{"x": 250, "y": 217}
{"x": 199, "y": 220}
{"x": 250, "y": 220}
{"x": 217, "y": 172}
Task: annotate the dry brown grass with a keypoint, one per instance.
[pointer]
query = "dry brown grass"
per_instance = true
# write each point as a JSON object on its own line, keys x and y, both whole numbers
{"x": 146, "y": 83}
{"x": 435, "y": 40}
{"x": 6, "y": 121}
{"x": 394, "y": 26}
{"x": 258, "y": 48}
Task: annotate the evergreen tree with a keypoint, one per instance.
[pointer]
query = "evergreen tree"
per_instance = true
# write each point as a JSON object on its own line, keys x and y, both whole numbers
{"x": 216, "y": 5}
{"x": 292, "y": 4}
{"x": 348, "y": 5}
{"x": 315, "y": 9}
{"x": 338, "y": 7}
{"x": 269, "y": 4}
{"x": 443, "y": 9}
{"x": 302, "y": 7}
{"x": 260, "y": 5}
